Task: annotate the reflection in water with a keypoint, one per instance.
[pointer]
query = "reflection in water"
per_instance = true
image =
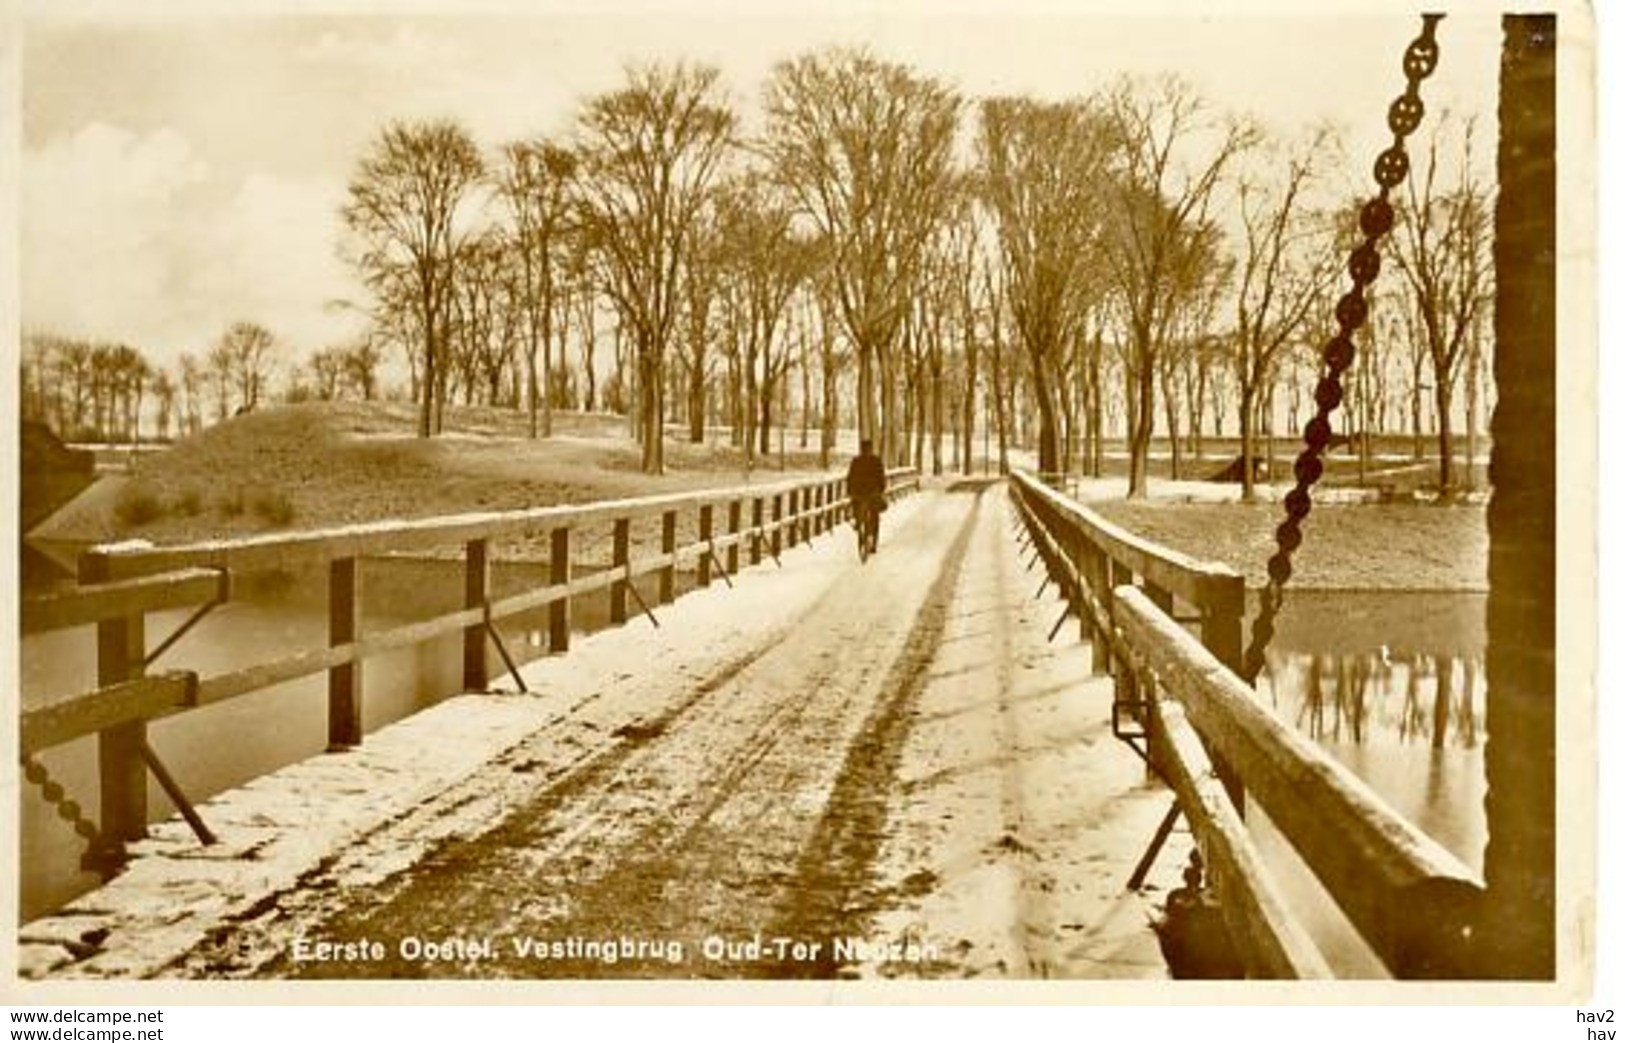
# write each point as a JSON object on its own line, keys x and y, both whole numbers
{"x": 1411, "y": 725}
{"x": 1407, "y": 697}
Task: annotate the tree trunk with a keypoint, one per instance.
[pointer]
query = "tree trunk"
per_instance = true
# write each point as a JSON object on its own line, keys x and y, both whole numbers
{"x": 1441, "y": 397}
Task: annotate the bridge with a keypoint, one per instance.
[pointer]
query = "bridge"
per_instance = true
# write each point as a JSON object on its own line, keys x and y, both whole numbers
{"x": 963, "y": 757}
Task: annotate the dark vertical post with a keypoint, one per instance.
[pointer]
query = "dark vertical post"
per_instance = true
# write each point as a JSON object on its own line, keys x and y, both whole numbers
{"x": 476, "y": 592}
{"x": 621, "y": 554}
{"x": 1117, "y": 575}
{"x": 1518, "y": 932}
{"x": 795, "y": 518}
{"x": 558, "y": 575}
{"x": 705, "y": 538}
{"x": 1095, "y": 577}
{"x": 734, "y": 512}
{"x": 778, "y": 524}
{"x": 756, "y": 531}
{"x": 1226, "y": 603}
{"x": 343, "y": 627}
{"x": 121, "y": 648}
{"x": 668, "y": 545}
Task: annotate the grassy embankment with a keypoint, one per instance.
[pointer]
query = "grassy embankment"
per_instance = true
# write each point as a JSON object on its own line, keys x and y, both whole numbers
{"x": 329, "y": 464}
{"x": 1345, "y": 546}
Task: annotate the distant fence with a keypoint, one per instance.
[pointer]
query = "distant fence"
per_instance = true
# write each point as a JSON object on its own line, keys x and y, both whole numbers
{"x": 1179, "y": 700}
{"x": 121, "y": 584}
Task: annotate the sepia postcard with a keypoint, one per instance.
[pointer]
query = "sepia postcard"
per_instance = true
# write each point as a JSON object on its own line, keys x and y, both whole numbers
{"x": 768, "y": 503}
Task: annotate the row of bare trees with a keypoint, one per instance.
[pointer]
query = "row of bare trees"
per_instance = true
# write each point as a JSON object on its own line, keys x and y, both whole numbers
{"x": 1082, "y": 264}
{"x": 101, "y": 391}
{"x": 877, "y": 252}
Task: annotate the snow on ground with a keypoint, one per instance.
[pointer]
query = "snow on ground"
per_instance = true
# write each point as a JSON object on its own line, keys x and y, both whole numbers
{"x": 885, "y": 764}
{"x": 282, "y": 827}
{"x": 1018, "y": 818}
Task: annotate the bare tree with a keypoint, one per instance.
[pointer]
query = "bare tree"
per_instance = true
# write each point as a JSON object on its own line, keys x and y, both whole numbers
{"x": 650, "y": 152}
{"x": 766, "y": 262}
{"x": 1443, "y": 247}
{"x": 1162, "y": 200}
{"x": 535, "y": 181}
{"x": 1040, "y": 172}
{"x": 403, "y": 207}
{"x": 1282, "y": 273}
{"x": 245, "y": 349}
{"x": 866, "y": 145}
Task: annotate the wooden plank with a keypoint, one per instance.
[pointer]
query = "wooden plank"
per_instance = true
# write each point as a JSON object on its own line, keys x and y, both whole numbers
{"x": 1413, "y": 901}
{"x": 1196, "y": 582}
{"x": 1270, "y": 941}
{"x": 140, "y": 699}
{"x": 247, "y": 680}
{"x": 94, "y": 602}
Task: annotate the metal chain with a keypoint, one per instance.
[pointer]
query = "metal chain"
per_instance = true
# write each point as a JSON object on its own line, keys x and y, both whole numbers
{"x": 1376, "y": 219}
{"x": 67, "y": 810}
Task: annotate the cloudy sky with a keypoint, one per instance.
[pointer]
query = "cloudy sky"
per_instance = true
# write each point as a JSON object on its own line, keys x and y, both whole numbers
{"x": 185, "y": 170}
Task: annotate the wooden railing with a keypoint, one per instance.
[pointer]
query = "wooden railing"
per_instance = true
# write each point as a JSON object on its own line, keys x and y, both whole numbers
{"x": 1212, "y": 741}
{"x": 120, "y": 584}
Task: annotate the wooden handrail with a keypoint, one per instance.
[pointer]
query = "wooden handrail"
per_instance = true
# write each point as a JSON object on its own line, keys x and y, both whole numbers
{"x": 148, "y": 588}
{"x": 1412, "y": 900}
{"x": 272, "y": 550}
{"x": 95, "y": 602}
{"x": 1268, "y": 938}
{"x": 140, "y": 699}
{"x": 1200, "y": 583}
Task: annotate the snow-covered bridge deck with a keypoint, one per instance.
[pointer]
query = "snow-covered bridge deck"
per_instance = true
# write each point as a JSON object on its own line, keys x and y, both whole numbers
{"x": 887, "y": 765}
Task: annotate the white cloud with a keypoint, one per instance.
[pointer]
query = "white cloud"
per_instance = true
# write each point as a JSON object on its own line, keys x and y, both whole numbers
{"x": 132, "y": 237}
{"x": 94, "y": 255}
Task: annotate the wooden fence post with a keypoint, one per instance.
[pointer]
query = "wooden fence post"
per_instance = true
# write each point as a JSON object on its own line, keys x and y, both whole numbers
{"x": 121, "y": 649}
{"x": 1100, "y": 639}
{"x": 734, "y": 512}
{"x": 756, "y": 531}
{"x": 778, "y": 524}
{"x": 668, "y": 545}
{"x": 476, "y": 593}
{"x": 795, "y": 518}
{"x": 558, "y": 574}
{"x": 705, "y": 537}
{"x": 621, "y": 554}
{"x": 343, "y": 628}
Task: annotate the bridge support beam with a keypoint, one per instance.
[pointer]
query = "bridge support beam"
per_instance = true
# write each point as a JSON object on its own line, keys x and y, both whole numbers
{"x": 668, "y": 545}
{"x": 1517, "y": 938}
{"x": 476, "y": 593}
{"x": 120, "y": 656}
{"x": 558, "y": 575}
{"x": 706, "y": 521}
{"x": 734, "y": 522}
{"x": 343, "y": 628}
{"x": 620, "y": 554}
